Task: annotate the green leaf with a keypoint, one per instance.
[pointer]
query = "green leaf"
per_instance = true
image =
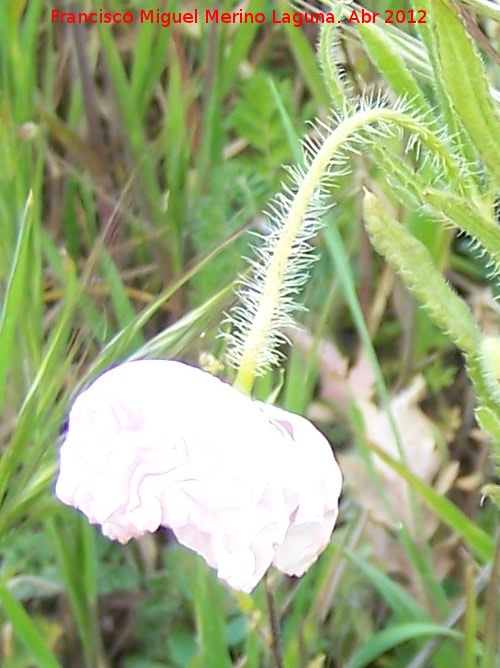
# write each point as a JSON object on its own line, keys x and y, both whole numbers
{"x": 134, "y": 136}
{"x": 415, "y": 264}
{"x": 489, "y": 421}
{"x": 14, "y": 295}
{"x": 123, "y": 308}
{"x": 386, "y": 59}
{"x": 421, "y": 559}
{"x": 466, "y": 83}
{"x": 209, "y": 610}
{"x": 26, "y": 630}
{"x": 75, "y": 553}
{"x": 240, "y": 45}
{"x": 392, "y": 637}
{"x": 470, "y": 622}
{"x": 257, "y": 117}
{"x": 472, "y": 217}
{"x": 305, "y": 59}
{"x": 400, "y": 601}
{"x": 478, "y": 540}
{"x": 492, "y": 639}
{"x": 149, "y": 61}
{"x": 328, "y": 45}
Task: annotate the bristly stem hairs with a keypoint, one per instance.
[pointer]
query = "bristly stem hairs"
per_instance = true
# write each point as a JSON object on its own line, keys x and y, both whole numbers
{"x": 438, "y": 151}
{"x": 268, "y": 295}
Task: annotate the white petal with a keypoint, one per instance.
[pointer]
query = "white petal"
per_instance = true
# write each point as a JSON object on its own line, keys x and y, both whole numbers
{"x": 159, "y": 443}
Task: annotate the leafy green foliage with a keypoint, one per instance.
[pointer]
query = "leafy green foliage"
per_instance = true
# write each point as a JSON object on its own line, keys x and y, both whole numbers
{"x": 256, "y": 119}
{"x": 128, "y": 181}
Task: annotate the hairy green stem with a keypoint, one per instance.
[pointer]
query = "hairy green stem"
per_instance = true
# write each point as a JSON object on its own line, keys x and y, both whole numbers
{"x": 414, "y": 262}
{"x": 274, "y": 274}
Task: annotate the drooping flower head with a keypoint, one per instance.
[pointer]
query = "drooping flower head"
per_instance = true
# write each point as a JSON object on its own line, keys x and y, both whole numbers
{"x": 159, "y": 443}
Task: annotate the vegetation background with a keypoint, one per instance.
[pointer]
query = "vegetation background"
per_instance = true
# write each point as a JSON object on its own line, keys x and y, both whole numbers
{"x": 133, "y": 162}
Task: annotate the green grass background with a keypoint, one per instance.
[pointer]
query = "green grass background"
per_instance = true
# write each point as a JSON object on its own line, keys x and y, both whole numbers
{"x": 133, "y": 162}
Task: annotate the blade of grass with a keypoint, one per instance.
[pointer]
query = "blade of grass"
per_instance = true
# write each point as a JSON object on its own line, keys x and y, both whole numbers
{"x": 40, "y": 413}
{"x": 75, "y": 556}
{"x": 393, "y": 636}
{"x": 491, "y": 623}
{"x": 240, "y": 46}
{"x": 149, "y": 61}
{"x": 305, "y": 59}
{"x": 470, "y": 624}
{"x": 14, "y": 296}
{"x": 26, "y": 630}
{"x": 420, "y": 555}
{"x": 480, "y": 543}
{"x": 133, "y": 135}
{"x": 400, "y": 601}
{"x": 209, "y": 610}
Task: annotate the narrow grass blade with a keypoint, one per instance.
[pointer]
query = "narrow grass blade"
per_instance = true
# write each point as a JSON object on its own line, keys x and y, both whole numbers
{"x": 27, "y": 631}
{"x": 393, "y": 636}
{"x": 14, "y": 295}
{"x": 75, "y": 558}
{"x": 240, "y": 46}
{"x": 478, "y": 540}
{"x": 421, "y": 558}
{"x": 401, "y": 602}
{"x": 470, "y": 622}
{"x": 305, "y": 59}
{"x": 210, "y": 621}
{"x": 492, "y": 618}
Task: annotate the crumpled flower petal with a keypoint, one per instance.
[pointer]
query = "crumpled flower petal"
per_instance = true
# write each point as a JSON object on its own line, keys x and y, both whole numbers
{"x": 156, "y": 443}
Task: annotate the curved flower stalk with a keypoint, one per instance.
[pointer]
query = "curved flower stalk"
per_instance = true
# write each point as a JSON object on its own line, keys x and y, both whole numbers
{"x": 157, "y": 443}
{"x": 280, "y": 266}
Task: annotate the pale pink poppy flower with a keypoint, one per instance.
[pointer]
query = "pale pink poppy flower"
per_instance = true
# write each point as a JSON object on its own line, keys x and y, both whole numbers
{"x": 159, "y": 443}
